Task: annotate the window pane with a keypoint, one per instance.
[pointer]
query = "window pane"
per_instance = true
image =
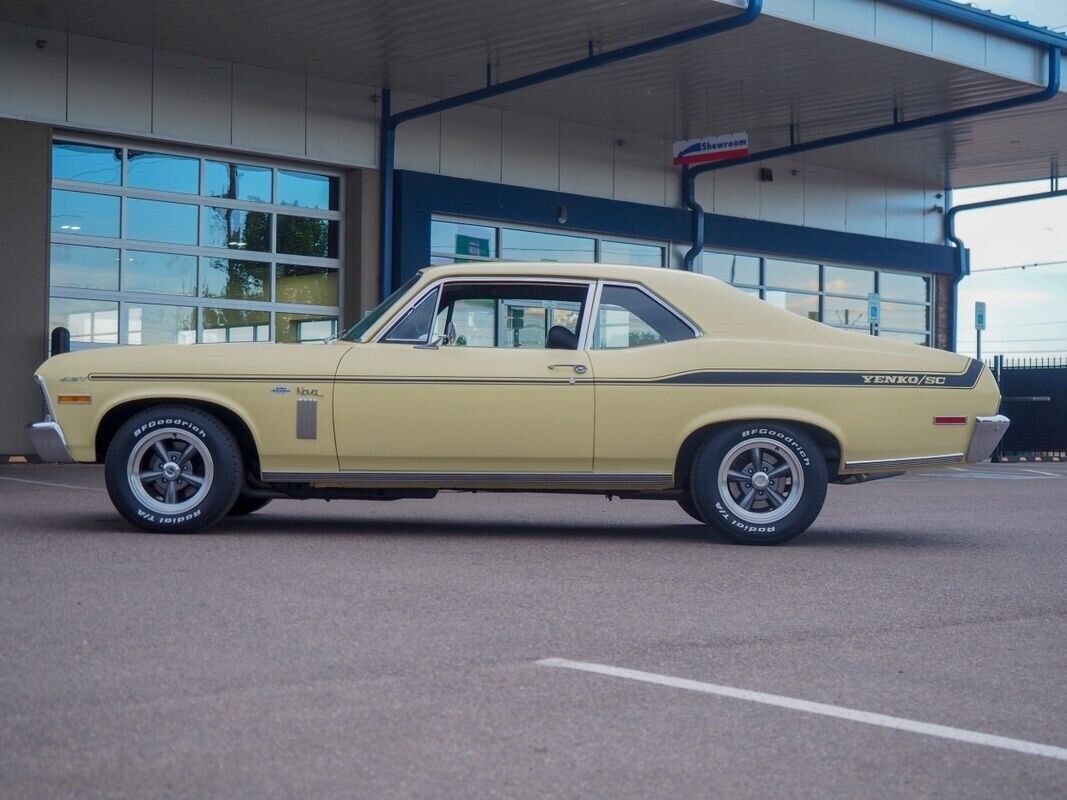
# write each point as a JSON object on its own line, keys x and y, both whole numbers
{"x": 306, "y": 236}
{"x": 628, "y": 317}
{"x": 791, "y": 274}
{"x": 156, "y": 221}
{"x": 807, "y": 305}
{"x": 164, "y": 173}
{"x": 899, "y": 315}
{"x": 303, "y": 327}
{"x": 903, "y": 287}
{"x": 511, "y": 314}
{"x": 841, "y": 280}
{"x": 85, "y": 267}
{"x": 152, "y": 324}
{"x": 236, "y": 229}
{"x": 235, "y": 325}
{"x": 475, "y": 321}
{"x": 235, "y": 280}
{"x": 167, "y": 273}
{"x": 845, "y": 313}
{"x": 641, "y": 255}
{"x": 462, "y": 239}
{"x": 532, "y": 246}
{"x": 731, "y": 268}
{"x": 306, "y": 190}
{"x": 237, "y": 181}
{"x": 85, "y": 214}
{"x": 914, "y": 338}
{"x": 313, "y": 285}
{"x": 89, "y": 321}
{"x": 415, "y": 326}
{"x": 86, "y": 162}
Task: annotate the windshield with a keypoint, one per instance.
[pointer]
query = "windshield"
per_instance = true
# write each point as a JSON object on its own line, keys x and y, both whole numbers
{"x": 356, "y": 331}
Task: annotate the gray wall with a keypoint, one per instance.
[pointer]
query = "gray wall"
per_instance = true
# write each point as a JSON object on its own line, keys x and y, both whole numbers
{"x": 25, "y": 167}
{"x": 361, "y": 245}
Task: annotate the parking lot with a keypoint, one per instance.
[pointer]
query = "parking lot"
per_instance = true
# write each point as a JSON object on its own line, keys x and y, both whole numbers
{"x": 424, "y": 648}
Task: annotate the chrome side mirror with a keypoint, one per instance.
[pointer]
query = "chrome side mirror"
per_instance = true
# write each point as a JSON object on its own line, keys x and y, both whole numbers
{"x": 443, "y": 339}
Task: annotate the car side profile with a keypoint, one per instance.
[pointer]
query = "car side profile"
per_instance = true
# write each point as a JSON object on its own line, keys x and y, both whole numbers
{"x": 588, "y": 378}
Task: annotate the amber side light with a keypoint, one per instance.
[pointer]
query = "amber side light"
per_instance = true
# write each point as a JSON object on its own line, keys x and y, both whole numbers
{"x": 75, "y": 399}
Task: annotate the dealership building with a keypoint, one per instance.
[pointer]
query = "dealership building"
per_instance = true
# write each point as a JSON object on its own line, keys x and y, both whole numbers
{"x": 216, "y": 172}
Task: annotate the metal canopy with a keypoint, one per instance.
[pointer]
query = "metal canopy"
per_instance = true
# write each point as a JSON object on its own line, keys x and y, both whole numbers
{"x": 762, "y": 78}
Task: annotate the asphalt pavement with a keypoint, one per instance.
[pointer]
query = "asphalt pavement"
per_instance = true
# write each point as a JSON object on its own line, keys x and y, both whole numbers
{"x": 381, "y": 650}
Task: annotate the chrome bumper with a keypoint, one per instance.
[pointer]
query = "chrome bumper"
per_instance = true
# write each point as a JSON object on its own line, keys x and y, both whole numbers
{"x": 48, "y": 440}
{"x": 988, "y": 432}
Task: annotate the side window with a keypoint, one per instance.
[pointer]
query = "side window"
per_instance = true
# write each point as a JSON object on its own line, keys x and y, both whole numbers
{"x": 415, "y": 325}
{"x": 513, "y": 315}
{"x": 628, "y": 317}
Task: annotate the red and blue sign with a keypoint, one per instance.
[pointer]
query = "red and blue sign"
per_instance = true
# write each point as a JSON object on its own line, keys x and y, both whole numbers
{"x": 710, "y": 148}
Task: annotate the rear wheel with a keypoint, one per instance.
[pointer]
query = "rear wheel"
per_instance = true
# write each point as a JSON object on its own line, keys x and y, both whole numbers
{"x": 173, "y": 468}
{"x": 759, "y": 483}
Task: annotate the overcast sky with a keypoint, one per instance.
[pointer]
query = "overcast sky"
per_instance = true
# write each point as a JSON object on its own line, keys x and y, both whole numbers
{"x": 1026, "y": 309}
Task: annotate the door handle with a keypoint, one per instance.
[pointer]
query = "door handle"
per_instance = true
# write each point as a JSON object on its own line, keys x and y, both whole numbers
{"x": 579, "y": 368}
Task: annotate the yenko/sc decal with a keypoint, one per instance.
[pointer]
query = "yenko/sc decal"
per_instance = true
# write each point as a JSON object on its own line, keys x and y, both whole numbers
{"x": 910, "y": 380}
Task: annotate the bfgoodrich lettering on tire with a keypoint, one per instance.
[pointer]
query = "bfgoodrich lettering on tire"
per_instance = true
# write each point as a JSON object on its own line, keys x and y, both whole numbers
{"x": 759, "y": 482}
{"x": 173, "y": 468}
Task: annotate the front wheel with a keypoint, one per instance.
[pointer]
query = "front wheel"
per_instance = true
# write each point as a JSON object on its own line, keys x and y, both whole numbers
{"x": 173, "y": 468}
{"x": 759, "y": 483}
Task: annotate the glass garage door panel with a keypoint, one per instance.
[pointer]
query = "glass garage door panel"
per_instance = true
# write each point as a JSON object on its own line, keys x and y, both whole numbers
{"x": 165, "y": 245}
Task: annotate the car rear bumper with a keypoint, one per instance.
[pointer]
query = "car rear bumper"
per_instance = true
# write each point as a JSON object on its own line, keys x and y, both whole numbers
{"x": 988, "y": 432}
{"x": 48, "y": 440}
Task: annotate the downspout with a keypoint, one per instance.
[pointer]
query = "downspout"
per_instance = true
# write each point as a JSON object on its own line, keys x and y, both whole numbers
{"x": 689, "y": 198}
{"x": 390, "y": 121}
{"x": 1050, "y": 91}
{"x": 963, "y": 256}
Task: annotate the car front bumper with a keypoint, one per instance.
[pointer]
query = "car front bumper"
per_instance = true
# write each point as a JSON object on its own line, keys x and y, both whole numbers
{"x": 988, "y": 431}
{"x": 48, "y": 440}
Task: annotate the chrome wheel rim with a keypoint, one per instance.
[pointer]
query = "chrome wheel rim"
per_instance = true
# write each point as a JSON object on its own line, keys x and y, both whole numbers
{"x": 760, "y": 481}
{"x": 170, "y": 471}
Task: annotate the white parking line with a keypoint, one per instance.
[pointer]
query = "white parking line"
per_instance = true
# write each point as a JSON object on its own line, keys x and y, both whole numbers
{"x": 882, "y": 720}
{"x": 46, "y": 483}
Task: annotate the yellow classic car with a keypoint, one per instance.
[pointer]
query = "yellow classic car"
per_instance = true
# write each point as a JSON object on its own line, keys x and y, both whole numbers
{"x": 590, "y": 378}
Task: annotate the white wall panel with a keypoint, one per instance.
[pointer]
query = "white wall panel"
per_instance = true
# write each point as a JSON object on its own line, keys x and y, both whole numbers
{"x": 192, "y": 98}
{"x": 269, "y": 109}
{"x": 640, "y": 168}
{"x": 934, "y": 223}
{"x": 470, "y": 143}
{"x": 782, "y": 200}
{"x": 905, "y": 207}
{"x": 791, "y": 9}
{"x": 825, "y": 197}
{"x": 342, "y": 122}
{"x": 586, "y": 165}
{"x": 418, "y": 142}
{"x": 737, "y": 191}
{"x": 110, "y": 85}
{"x": 848, "y": 16}
{"x": 1013, "y": 59}
{"x": 959, "y": 44}
{"x": 904, "y": 28}
{"x": 33, "y": 81}
{"x": 530, "y": 151}
{"x": 865, "y": 212}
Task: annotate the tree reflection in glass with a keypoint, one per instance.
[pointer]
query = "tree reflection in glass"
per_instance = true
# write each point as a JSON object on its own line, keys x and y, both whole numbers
{"x": 236, "y": 229}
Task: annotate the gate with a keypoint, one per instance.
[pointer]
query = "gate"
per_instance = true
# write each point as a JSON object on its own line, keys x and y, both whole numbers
{"x": 1034, "y": 394}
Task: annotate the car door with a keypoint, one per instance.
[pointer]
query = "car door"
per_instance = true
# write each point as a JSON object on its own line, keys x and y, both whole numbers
{"x": 496, "y": 398}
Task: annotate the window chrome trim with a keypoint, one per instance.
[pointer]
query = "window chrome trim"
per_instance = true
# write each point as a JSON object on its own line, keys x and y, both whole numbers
{"x": 383, "y": 331}
{"x": 408, "y": 311}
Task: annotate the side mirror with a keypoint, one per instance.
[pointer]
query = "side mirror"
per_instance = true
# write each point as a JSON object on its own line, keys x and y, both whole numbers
{"x": 450, "y": 334}
{"x": 447, "y": 338}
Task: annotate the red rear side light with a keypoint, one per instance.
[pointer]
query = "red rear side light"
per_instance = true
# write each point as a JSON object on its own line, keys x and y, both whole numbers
{"x": 950, "y": 420}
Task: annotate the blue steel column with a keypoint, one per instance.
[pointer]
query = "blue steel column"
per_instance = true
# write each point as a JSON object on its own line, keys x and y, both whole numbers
{"x": 386, "y": 152}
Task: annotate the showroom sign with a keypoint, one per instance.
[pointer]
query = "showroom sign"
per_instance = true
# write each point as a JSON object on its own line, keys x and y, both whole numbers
{"x": 710, "y": 148}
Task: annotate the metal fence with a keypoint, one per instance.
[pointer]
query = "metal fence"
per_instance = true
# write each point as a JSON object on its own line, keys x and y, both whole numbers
{"x": 1034, "y": 394}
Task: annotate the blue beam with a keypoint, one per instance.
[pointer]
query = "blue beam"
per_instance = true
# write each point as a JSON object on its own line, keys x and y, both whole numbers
{"x": 1051, "y": 90}
{"x": 390, "y": 121}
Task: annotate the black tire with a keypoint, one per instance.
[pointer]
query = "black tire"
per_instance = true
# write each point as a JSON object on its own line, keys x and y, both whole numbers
{"x": 194, "y": 488}
{"x": 246, "y": 505}
{"x": 687, "y": 505}
{"x": 784, "y": 495}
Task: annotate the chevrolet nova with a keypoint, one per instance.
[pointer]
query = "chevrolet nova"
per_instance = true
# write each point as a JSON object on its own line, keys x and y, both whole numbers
{"x": 623, "y": 381}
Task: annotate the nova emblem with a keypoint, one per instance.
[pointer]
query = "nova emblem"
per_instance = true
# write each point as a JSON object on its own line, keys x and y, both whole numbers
{"x": 300, "y": 390}
{"x": 280, "y": 390}
{"x": 71, "y": 379}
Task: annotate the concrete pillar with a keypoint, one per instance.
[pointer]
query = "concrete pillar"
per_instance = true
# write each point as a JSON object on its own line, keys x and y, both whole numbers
{"x": 25, "y": 178}
{"x": 361, "y": 245}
